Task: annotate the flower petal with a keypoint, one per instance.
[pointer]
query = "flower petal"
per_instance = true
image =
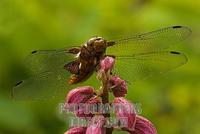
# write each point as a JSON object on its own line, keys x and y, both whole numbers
{"x": 96, "y": 125}
{"x": 107, "y": 63}
{"x": 143, "y": 126}
{"x": 76, "y": 130}
{"x": 89, "y": 108}
{"x": 77, "y": 96}
{"x": 125, "y": 113}
{"x": 80, "y": 94}
{"x": 119, "y": 87}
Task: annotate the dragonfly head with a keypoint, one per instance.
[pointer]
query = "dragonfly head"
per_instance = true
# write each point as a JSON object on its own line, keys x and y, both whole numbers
{"x": 97, "y": 44}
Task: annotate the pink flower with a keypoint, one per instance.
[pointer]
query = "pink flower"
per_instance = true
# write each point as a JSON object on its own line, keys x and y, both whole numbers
{"x": 89, "y": 108}
{"x": 119, "y": 87}
{"x": 107, "y": 64}
{"x": 78, "y": 95}
{"x": 96, "y": 125}
{"x": 125, "y": 113}
{"x": 143, "y": 126}
{"x": 76, "y": 130}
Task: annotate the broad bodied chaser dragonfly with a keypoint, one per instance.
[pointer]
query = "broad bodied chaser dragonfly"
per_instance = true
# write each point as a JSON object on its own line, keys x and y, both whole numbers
{"x": 137, "y": 57}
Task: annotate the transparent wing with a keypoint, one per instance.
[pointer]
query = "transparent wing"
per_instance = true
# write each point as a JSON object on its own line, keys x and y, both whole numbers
{"x": 40, "y": 61}
{"x": 48, "y": 78}
{"x": 148, "y": 42}
{"x": 143, "y": 65}
{"x": 48, "y": 86}
{"x": 44, "y": 86}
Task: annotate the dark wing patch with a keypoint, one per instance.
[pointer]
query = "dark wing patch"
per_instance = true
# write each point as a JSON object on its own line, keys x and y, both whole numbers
{"x": 33, "y": 52}
{"x": 173, "y": 52}
{"x": 177, "y": 26}
{"x": 18, "y": 83}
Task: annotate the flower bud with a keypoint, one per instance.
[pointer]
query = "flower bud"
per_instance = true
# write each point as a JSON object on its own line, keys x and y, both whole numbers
{"x": 77, "y": 96}
{"x": 125, "y": 113}
{"x": 119, "y": 87}
{"x": 80, "y": 94}
{"x": 96, "y": 125}
{"x": 89, "y": 108}
{"x": 107, "y": 64}
{"x": 76, "y": 130}
{"x": 143, "y": 126}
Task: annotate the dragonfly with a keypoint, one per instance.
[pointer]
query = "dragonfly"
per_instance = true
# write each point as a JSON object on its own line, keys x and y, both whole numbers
{"x": 53, "y": 72}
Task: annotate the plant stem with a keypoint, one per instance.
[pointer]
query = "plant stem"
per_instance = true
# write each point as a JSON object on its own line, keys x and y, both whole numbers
{"x": 105, "y": 99}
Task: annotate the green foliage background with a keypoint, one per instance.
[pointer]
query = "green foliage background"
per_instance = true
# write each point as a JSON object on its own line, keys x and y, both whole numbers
{"x": 170, "y": 101}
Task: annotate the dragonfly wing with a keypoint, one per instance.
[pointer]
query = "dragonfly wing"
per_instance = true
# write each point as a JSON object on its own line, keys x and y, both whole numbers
{"x": 148, "y": 42}
{"x": 48, "y": 78}
{"x": 48, "y": 86}
{"x": 48, "y": 60}
{"x": 143, "y": 65}
{"x": 44, "y": 86}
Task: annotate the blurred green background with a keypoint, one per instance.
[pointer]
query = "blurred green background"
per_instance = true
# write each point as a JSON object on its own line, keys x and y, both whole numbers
{"x": 170, "y": 101}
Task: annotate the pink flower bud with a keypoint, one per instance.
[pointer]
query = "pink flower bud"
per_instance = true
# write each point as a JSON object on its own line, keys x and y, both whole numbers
{"x": 77, "y": 96}
{"x": 107, "y": 64}
{"x": 143, "y": 126}
{"x": 89, "y": 108}
{"x": 119, "y": 87}
{"x": 80, "y": 94}
{"x": 96, "y": 125}
{"x": 125, "y": 113}
{"x": 76, "y": 130}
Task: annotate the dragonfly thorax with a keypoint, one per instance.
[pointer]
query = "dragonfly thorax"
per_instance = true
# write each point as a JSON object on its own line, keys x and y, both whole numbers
{"x": 96, "y": 45}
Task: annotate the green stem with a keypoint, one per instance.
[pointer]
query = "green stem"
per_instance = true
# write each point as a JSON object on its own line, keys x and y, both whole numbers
{"x": 105, "y": 98}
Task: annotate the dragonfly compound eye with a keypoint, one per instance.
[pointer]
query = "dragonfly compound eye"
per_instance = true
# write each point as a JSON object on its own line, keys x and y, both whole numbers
{"x": 93, "y": 40}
